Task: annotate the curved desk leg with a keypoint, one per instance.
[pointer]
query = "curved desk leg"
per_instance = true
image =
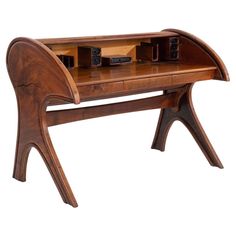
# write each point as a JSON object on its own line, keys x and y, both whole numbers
{"x": 186, "y": 114}
{"x": 33, "y": 132}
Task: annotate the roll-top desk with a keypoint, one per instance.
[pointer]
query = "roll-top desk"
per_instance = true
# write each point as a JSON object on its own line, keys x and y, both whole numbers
{"x": 49, "y": 72}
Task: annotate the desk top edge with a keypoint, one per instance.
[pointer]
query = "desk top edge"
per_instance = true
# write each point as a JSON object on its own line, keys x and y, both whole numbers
{"x": 71, "y": 40}
{"x": 80, "y": 79}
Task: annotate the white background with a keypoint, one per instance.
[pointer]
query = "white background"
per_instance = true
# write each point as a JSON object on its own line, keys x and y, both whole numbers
{"x": 122, "y": 186}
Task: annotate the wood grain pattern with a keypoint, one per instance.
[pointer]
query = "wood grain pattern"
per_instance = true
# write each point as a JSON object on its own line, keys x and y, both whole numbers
{"x": 135, "y": 86}
{"x": 40, "y": 79}
{"x": 70, "y": 115}
{"x": 105, "y": 38}
{"x": 186, "y": 114}
{"x": 24, "y": 62}
{"x": 107, "y": 82}
{"x": 91, "y": 76}
{"x": 198, "y": 49}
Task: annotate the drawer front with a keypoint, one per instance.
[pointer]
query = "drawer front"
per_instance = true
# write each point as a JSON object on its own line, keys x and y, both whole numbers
{"x": 128, "y": 87}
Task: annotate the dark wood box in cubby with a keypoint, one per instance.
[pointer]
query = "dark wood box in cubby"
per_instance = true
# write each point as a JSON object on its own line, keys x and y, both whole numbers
{"x": 168, "y": 48}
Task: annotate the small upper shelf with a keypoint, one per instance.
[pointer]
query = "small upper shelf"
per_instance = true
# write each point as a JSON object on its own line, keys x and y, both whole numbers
{"x": 106, "y": 38}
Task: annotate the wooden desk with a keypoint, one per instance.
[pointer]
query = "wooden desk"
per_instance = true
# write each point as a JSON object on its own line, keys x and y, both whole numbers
{"x": 40, "y": 79}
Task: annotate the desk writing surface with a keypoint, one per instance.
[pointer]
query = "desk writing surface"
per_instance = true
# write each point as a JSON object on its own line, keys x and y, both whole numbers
{"x": 91, "y": 76}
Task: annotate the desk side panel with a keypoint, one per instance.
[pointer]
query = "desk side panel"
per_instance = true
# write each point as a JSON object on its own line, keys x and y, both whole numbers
{"x": 34, "y": 68}
{"x": 195, "y": 51}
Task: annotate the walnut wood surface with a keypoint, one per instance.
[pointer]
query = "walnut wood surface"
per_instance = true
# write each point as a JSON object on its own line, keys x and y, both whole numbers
{"x": 195, "y": 47}
{"x": 113, "y": 81}
{"x": 23, "y": 63}
{"x": 70, "y": 115}
{"x": 40, "y": 80}
{"x": 186, "y": 114}
{"x": 104, "y": 38}
{"x": 90, "y": 76}
{"x": 34, "y": 86}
